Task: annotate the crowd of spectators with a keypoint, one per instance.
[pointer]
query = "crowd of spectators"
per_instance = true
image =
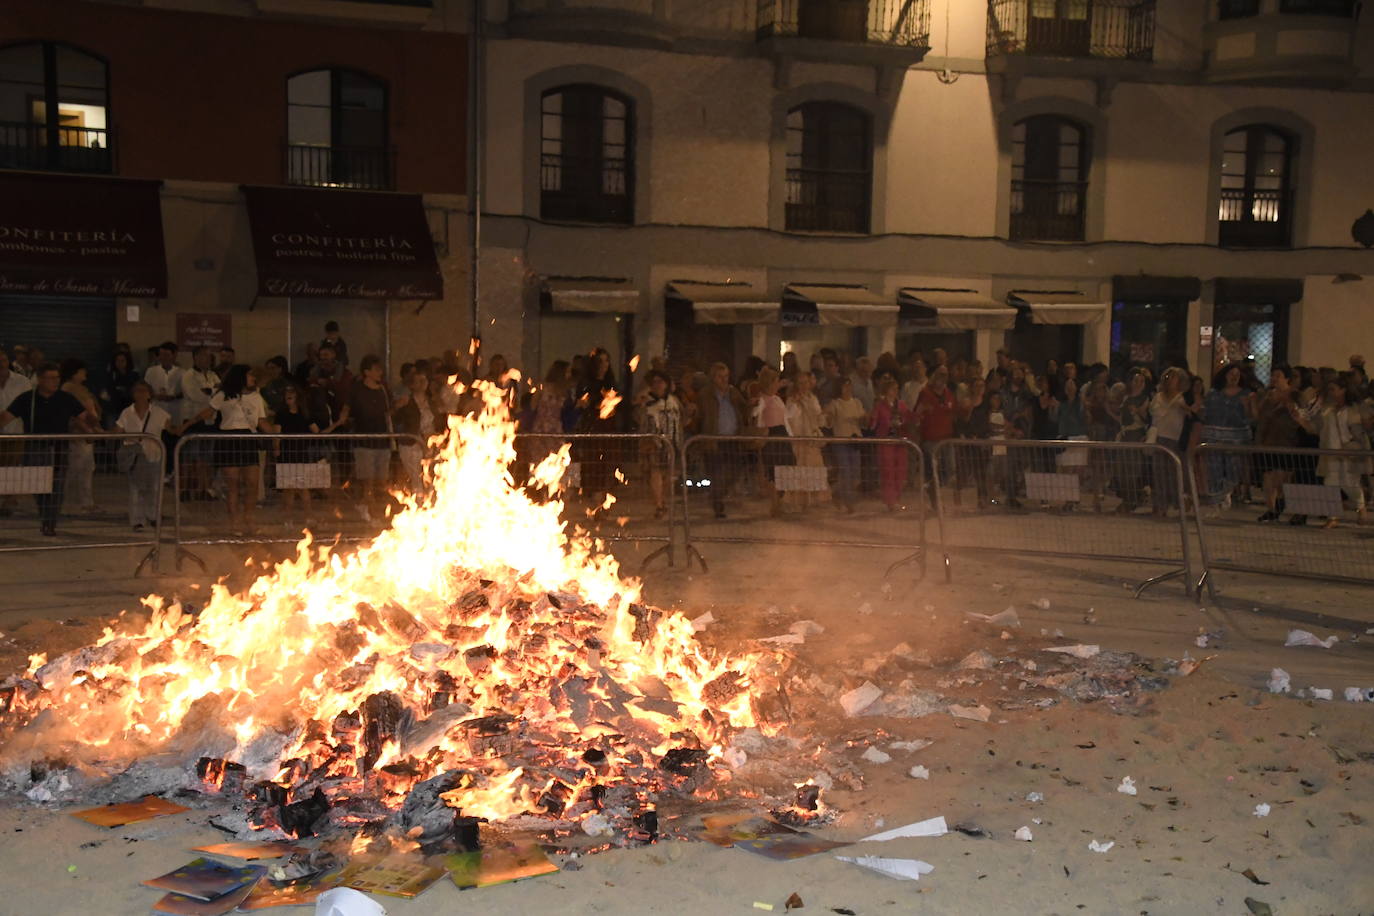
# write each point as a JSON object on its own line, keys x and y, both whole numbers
{"x": 760, "y": 421}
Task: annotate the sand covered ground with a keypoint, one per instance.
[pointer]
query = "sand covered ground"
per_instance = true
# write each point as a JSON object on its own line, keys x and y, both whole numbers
{"x": 1203, "y": 752}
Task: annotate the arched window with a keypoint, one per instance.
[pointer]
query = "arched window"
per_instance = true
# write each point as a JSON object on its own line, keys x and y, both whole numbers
{"x": 336, "y": 128}
{"x": 1256, "y": 188}
{"x": 829, "y": 168}
{"x": 1050, "y": 156}
{"x": 586, "y": 155}
{"x": 54, "y": 109}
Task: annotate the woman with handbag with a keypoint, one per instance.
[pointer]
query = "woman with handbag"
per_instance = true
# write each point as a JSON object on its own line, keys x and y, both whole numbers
{"x": 141, "y": 458}
{"x": 241, "y": 411}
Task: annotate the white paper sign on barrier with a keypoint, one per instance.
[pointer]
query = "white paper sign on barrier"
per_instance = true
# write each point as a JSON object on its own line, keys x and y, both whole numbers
{"x": 1312, "y": 499}
{"x": 313, "y": 475}
{"x": 1073, "y": 457}
{"x": 25, "y": 481}
{"x": 1052, "y": 488}
{"x": 799, "y": 479}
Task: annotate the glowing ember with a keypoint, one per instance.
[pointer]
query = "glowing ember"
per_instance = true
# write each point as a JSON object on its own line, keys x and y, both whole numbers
{"x": 475, "y": 650}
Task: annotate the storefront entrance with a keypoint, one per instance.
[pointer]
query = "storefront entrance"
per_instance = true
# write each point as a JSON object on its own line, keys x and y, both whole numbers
{"x": 80, "y": 328}
{"x": 1149, "y": 334}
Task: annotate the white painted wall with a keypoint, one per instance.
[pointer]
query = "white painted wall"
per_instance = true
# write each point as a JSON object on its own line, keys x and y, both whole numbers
{"x": 1332, "y": 322}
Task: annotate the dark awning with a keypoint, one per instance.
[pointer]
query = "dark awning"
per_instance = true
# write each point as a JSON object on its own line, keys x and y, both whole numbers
{"x": 315, "y": 243}
{"x": 1258, "y": 290}
{"x": 847, "y": 306}
{"x": 725, "y": 303}
{"x": 66, "y": 235}
{"x": 1069, "y": 307}
{"x": 954, "y": 309}
{"x": 1145, "y": 288}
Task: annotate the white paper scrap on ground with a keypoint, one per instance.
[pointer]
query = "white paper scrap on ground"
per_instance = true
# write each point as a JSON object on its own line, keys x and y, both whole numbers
{"x": 866, "y": 608}
{"x": 1261, "y": 810}
{"x": 344, "y": 901}
{"x": 1354, "y": 695}
{"x": 1304, "y": 638}
{"x": 806, "y": 628}
{"x": 788, "y": 639}
{"x": 902, "y": 869}
{"x": 932, "y": 826}
{"x": 1023, "y": 833}
{"x": 1322, "y": 693}
{"x": 860, "y": 698}
{"x": 1095, "y": 846}
{"x": 918, "y": 743}
{"x": 1078, "y": 651}
{"x": 1035, "y": 797}
{"x": 918, "y": 772}
{"x": 1278, "y": 681}
{"x": 1127, "y": 786}
{"x": 976, "y": 713}
{"x": 734, "y": 757}
{"x": 1007, "y": 618}
{"x": 702, "y": 622}
{"x": 873, "y": 755}
{"x": 1042, "y": 603}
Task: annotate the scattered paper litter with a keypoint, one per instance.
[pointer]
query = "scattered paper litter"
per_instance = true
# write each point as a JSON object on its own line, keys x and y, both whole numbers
{"x": 873, "y": 755}
{"x": 1077, "y": 651}
{"x": 976, "y": 713}
{"x": 1023, "y": 833}
{"x": 1322, "y": 693}
{"x": 734, "y": 757}
{"x": 344, "y": 901}
{"x": 1304, "y": 638}
{"x": 902, "y": 869}
{"x": 977, "y": 660}
{"x": 1095, "y": 846}
{"x": 1042, "y": 603}
{"x": 1035, "y": 797}
{"x": 702, "y": 622}
{"x": 597, "y": 825}
{"x": 918, "y": 772}
{"x": 1354, "y": 695}
{"x": 787, "y": 639}
{"x": 860, "y": 698}
{"x": 1007, "y": 618}
{"x": 1261, "y": 810}
{"x": 1278, "y": 681}
{"x": 919, "y": 743}
{"x": 865, "y": 608}
{"x": 1127, "y": 786}
{"x": 1201, "y": 641}
{"x": 932, "y": 826}
{"x": 804, "y": 628}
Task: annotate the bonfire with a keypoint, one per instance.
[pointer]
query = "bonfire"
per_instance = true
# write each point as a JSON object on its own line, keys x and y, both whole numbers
{"x": 478, "y": 659}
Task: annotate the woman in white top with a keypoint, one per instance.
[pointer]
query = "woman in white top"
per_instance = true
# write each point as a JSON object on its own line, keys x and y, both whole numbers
{"x": 145, "y": 475}
{"x": 241, "y": 410}
{"x": 804, "y": 418}
{"x": 845, "y": 416}
{"x": 1341, "y": 426}
{"x": 1168, "y": 411}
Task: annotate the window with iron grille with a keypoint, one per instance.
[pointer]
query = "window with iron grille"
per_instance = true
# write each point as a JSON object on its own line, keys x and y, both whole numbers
{"x": 1256, "y": 208}
{"x": 336, "y": 123}
{"x": 54, "y": 109}
{"x": 829, "y": 168}
{"x": 1049, "y": 179}
{"x": 1237, "y": 9}
{"x": 586, "y": 156}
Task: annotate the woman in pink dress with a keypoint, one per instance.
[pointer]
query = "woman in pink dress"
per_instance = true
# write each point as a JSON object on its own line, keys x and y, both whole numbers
{"x": 889, "y": 421}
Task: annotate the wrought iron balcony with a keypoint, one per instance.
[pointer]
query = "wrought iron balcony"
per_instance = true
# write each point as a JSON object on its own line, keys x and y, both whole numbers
{"x": 894, "y": 23}
{"x": 1095, "y": 29}
{"x": 587, "y": 189}
{"x": 51, "y": 148}
{"x": 1048, "y": 211}
{"x": 1255, "y": 218}
{"x": 822, "y": 200}
{"x": 368, "y": 168}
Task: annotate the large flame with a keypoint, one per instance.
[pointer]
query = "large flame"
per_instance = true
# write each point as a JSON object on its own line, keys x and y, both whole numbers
{"x": 468, "y": 593}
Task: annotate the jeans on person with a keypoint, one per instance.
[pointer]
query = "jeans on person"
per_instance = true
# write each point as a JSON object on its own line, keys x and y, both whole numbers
{"x": 145, "y": 479}
{"x": 722, "y": 464}
{"x": 846, "y": 460}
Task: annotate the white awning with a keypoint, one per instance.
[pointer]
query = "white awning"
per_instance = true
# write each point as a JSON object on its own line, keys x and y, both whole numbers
{"x": 847, "y": 306}
{"x": 958, "y": 309}
{"x": 592, "y": 296}
{"x": 1059, "y": 308}
{"x": 726, "y": 303}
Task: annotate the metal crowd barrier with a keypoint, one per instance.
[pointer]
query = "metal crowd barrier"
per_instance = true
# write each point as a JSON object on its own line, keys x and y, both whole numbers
{"x": 1302, "y": 518}
{"x": 640, "y": 470}
{"x": 813, "y": 491}
{"x": 283, "y": 484}
{"x": 1119, "y": 501}
{"x": 78, "y": 484}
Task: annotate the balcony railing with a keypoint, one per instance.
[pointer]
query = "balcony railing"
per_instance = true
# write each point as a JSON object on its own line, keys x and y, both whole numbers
{"x": 39, "y": 147}
{"x": 1048, "y": 211}
{"x": 821, "y": 200}
{"x": 1344, "y": 9}
{"x": 361, "y": 167}
{"x": 592, "y": 189}
{"x": 1255, "y": 219}
{"x": 1106, "y": 29}
{"x": 900, "y": 23}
